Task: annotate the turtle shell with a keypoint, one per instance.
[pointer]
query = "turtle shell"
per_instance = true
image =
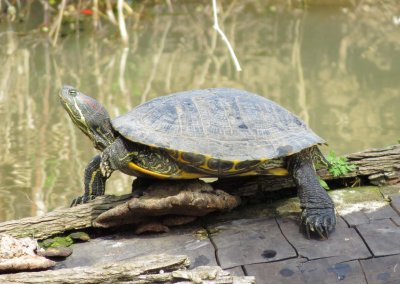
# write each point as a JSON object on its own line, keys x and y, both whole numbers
{"x": 222, "y": 123}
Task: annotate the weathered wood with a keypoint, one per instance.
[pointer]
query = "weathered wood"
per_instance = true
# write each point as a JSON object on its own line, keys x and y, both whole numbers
{"x": 332, "y": 270}
{"x": 250, "y": 241}
{"x": 20, "y": 255}
{"x": 344, "y": 242}
{"x": 382, "y": 269}
{"x": 187, "y": 198}
{"x": 377, "y": 166}
{"x": 382, "y": 237}
{"x": 380, "y": 166}
{"x": 62, "y": 219}
{"x": 148, "y": 269}
{"x": 118, "y": 210}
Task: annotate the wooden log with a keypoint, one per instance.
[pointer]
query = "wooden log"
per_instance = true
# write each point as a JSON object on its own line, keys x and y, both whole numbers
{"x": 62, "y": 219}
{"x": 375, "y": 166}
{"x": 379, "y": 166}
{"x": 149, "y": 269}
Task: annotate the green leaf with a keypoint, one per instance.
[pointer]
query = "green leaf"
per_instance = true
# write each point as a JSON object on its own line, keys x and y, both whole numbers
{"x": 338, "y": 165}
{"x": 323, "y": 184}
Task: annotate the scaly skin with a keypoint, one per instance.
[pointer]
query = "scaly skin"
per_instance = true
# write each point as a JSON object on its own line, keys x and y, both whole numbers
{"x": 318, "y": 213}
{"x": 95, "y": 182}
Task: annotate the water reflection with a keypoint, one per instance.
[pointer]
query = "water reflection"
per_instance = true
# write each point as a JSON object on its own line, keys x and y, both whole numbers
{"x": 335, "y": 66}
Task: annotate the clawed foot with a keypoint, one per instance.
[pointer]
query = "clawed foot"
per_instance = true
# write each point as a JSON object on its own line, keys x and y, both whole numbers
{"x": 82, "y": 199}
{"x": 318, "y": 220}
{"x": 105, "y": 166}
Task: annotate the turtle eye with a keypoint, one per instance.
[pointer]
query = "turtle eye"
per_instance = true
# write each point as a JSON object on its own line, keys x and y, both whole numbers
{"x": 72, "y": 92}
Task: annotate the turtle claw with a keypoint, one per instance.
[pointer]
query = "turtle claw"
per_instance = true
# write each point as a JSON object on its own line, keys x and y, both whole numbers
{"x": 318, "y": 220}
{"x": 105, "y": 166}
{"x": 103, "y": 170}
{"x": 82, "y": 200}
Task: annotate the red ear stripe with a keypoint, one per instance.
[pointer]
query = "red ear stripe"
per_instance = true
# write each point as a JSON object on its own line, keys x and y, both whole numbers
{"x": 91, "y": 103}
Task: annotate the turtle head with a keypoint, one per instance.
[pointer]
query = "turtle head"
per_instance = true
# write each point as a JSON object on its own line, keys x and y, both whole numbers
{"x": 89, "y": 115}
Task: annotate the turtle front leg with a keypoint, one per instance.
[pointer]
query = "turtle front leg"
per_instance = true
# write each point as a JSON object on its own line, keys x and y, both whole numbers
{"x": 114, "y": 157}
{"x": 318, "y": 213}
{"x": 95, "y": 182}
{"x": 117, "y": 157}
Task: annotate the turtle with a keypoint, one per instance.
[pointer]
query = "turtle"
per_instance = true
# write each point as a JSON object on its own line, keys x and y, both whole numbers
{"x": 215, "y": 132}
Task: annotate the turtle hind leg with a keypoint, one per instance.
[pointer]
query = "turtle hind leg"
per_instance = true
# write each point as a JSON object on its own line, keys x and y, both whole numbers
{"x": 95, "y": 182}
{"x": 318, "y": 211}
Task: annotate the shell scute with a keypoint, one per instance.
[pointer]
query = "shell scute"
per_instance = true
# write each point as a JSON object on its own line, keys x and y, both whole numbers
{"x": 225, "y": 124}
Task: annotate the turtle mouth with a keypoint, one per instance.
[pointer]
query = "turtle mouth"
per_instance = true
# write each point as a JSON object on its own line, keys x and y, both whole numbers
{"x": 64, "y": 102}
{"x": 66, "y": 95}
{"x": 69, "y": 104}
{"x": 76, "y": 117}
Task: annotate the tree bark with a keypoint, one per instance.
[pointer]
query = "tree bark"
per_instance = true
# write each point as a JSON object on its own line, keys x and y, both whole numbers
{"x": 148, "y": 269}
{"x": 379, "y": 166}
{"x": 375, "y": 166}
{"x": 62, "y": 219}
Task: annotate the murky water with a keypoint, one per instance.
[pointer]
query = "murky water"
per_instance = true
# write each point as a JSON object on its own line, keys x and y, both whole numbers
{"x": 337, "y": 67}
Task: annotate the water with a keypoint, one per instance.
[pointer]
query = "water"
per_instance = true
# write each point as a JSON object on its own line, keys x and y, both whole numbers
{"x": 336, "y": 66}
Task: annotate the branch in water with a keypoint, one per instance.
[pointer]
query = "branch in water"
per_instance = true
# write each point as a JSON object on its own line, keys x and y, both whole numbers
{"x": 218, "y": 29}
{"x": 121, "y": 22}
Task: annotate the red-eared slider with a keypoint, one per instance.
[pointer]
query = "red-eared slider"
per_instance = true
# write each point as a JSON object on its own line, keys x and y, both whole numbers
{"x": 202, "y": 133}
